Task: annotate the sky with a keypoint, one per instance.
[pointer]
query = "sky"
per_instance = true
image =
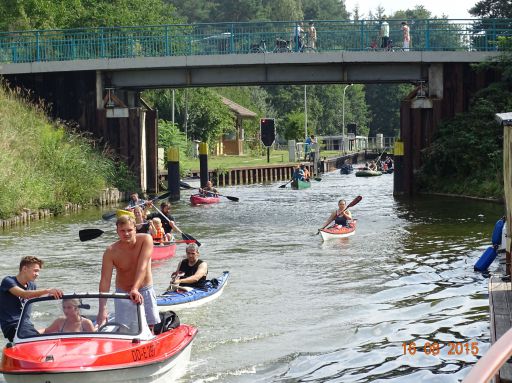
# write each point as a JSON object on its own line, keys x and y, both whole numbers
{"x": 453, "y": 8}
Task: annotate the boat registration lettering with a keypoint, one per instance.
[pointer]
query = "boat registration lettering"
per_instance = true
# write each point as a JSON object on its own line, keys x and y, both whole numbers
{"x": 144, "y": 352}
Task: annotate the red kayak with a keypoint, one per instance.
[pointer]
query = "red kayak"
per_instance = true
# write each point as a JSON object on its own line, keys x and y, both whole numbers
{"x": 338, "y": 231}
{"x": 198, "y": 199}
{"x": 163, "y": 251}
{"x": 122, "y": 350}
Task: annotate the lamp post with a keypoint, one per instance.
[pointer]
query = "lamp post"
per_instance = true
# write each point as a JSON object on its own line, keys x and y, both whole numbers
{"x": 305, "y": 114}
{"x": 343, "y": 117}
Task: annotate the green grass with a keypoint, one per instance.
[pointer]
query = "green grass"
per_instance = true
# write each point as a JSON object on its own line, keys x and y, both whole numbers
{"x": 277, "y": 157}
{"x": 45, "y": 164}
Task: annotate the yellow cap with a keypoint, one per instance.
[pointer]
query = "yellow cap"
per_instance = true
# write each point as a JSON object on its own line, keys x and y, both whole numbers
{"x": 125, "y": 212}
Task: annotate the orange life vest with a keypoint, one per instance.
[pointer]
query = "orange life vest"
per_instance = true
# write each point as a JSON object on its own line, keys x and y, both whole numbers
{"x": 159, "y": 235}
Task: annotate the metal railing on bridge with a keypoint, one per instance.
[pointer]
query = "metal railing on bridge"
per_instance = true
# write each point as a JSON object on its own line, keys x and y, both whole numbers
{"x": 244, "y": 38}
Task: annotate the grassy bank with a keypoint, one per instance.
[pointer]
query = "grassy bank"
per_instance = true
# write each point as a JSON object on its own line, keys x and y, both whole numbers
{"x": 45, "y": 164}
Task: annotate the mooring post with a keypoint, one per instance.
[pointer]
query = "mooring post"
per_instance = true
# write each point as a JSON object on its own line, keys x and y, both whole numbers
{"x": 398, "y": 166}
{"x": 203, "y": 163}
{"x": 173, "y": 173}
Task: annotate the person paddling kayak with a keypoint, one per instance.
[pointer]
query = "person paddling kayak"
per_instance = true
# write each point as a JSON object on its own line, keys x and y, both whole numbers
{"x": 340, "y": 216}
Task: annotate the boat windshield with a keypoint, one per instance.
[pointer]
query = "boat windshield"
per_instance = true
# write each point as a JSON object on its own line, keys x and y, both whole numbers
{"x": 76, "y": 313}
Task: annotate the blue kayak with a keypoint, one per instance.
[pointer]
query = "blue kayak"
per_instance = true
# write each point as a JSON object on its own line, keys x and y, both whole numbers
{"x": 172, "y": 300}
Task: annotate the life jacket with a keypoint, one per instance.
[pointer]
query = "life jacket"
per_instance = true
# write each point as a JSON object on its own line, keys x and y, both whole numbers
{"x": 159, "y": 235}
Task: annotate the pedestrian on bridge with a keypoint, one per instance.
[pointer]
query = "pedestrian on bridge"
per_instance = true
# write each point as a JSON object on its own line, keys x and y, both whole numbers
{"x": 406, "y": 35}
{"x": 384, "y": 33}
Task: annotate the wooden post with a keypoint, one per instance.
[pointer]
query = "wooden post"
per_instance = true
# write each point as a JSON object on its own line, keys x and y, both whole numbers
{"x": 173, "y": 173}
{"x": 398, "y": 158}
{"x": 203, "y": 163}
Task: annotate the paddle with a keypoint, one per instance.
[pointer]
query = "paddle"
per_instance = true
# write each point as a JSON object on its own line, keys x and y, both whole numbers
{"x": 283, "y": 186}
{"x": 185, "y": 236}
{"x": 355, "y": 201}
{"x": 185, "y": 185}
{"x": 234, "y": 199}
{"x": 317, "y": 179}
{"x": 111, "y": 214}
{"x": 88, "y": 234}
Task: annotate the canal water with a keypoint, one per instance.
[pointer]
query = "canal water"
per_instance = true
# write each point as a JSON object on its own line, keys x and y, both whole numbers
{"x": 300, "y": 310}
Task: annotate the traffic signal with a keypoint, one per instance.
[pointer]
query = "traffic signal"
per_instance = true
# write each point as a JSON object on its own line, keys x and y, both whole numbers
{"x": 267, "y": 131}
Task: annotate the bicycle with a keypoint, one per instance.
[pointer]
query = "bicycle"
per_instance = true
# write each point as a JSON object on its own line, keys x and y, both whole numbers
{"x": 259, "y": 48}
{"x": 282, "y": 46}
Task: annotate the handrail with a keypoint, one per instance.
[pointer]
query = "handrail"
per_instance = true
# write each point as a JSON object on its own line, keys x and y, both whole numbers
{"x": 464, "y": 35}
{"x": 489, "y": 365}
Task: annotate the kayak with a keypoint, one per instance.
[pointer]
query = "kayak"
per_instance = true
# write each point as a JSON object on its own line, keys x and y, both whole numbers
{"x": 368, "y": 173}
{"x": 122, "y": 350}
{"x": 299, "y": 185}
{"x": 338, "y": 231}
{"x": 198, "y": 199}
{"x": 163, "y": 251}
{"x": 181, "y": 299}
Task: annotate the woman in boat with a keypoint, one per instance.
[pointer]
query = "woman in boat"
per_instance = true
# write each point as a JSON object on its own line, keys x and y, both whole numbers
{"x": 141, "y": 225}
{"x": 191, "y": 271}
{"x": 72, "y": 321}
{"x": 340, "y": 216}
{"x": 372, "y": 166}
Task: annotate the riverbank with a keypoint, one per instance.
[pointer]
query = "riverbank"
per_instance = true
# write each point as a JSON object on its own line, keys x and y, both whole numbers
{"x": 47, "y": 165}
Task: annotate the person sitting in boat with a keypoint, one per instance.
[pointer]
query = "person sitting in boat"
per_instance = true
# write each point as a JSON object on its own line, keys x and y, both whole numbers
{"x": 72, "y": 321}
{"x": 340, "y": 216}
{"x": 15, "y": 290}
{"x": 135, "y": 201}
{"x": 157, "y": 231}
{"x": 191, "y": 271}
{"x": 298, "y": 174}
{"x": 165, "y": 216}
{"x": 389, "y": 163}
{"x": 142, "y": 225}
{"x": 306, "y": 172}
{"x": 208, "y": 190}
{"x": 372, "y": 166}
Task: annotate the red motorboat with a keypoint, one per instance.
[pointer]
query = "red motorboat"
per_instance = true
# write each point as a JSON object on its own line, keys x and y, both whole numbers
{"x": 163, "y": 251}
{"x": 198, "y": 199}
{"x": 120, "y": 351}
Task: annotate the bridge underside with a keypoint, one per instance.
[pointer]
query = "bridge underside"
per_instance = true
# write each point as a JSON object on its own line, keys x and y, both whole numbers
{"x": 76, "y": 92}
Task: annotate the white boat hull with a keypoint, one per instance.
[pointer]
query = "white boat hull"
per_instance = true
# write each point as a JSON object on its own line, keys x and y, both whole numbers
{"x": 327, "y": 236}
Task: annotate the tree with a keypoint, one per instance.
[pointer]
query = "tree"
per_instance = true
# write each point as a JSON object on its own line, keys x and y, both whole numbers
{"x": 492, "y": 9}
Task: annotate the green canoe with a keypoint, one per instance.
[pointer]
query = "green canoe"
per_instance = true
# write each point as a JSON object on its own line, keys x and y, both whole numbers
{"x": 299, "y": 185}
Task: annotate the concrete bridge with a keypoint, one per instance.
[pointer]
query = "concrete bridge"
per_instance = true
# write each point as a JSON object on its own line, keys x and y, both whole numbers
{"x": 95, "y": 76}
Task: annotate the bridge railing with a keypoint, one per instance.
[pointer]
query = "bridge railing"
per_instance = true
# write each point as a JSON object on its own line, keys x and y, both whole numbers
{"x": 243, "y": 38}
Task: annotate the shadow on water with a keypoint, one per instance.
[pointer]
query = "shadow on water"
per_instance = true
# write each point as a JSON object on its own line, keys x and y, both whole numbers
{"x": 301, "y": 310}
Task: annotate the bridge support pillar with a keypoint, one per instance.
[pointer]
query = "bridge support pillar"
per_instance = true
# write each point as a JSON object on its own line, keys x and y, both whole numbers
{"x": 173, "y": 173}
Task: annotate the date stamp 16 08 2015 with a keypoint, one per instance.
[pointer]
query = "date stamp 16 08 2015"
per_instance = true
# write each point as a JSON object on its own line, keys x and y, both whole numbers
{"x": 434, "y": 348}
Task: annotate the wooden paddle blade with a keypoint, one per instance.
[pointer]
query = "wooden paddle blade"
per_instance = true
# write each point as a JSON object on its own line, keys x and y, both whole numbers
{"x": 355, "y": 201}
{"x": 88, "y": 234}
{"x": 234, "y": 199}
{"x": 109, "y": 215}
{"x": 186, "y": 236}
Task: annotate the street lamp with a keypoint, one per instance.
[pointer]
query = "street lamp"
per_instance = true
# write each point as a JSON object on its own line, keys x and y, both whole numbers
{"x": 343, "y": 117}
{"x": 305, "y": 114}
